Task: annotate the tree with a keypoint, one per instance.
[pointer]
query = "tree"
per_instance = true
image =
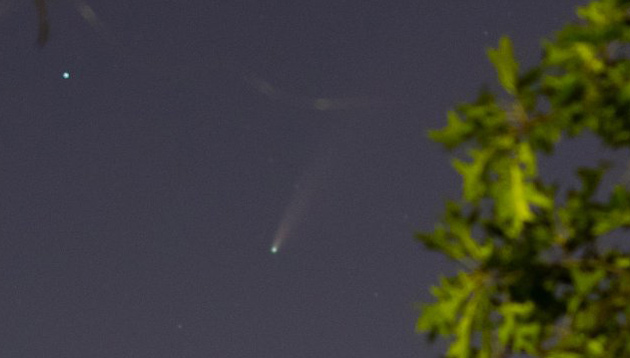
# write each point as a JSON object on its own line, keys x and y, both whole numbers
{"x": 534, "y": 280}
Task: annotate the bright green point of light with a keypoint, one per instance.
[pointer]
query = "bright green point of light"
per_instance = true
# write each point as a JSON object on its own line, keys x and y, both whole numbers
{"x": 66, "y": 75}
{"x": 274, "y": 249}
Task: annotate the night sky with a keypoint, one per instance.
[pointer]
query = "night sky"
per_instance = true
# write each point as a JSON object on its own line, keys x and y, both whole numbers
{"x": 141, "y": 198}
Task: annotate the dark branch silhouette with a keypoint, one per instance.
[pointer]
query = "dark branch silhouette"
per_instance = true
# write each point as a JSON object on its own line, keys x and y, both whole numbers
{"x": 44, "y": 26}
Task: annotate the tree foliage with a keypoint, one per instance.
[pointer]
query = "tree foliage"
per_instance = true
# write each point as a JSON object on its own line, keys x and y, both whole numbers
{"x": 535, "y": 281}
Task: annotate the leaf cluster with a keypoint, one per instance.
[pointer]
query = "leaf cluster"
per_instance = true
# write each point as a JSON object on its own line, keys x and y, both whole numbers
{"x": 533, "y": 280}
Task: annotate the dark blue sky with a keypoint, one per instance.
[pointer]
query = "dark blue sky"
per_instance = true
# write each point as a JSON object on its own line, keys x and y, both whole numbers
{"x": 140, "y": 198}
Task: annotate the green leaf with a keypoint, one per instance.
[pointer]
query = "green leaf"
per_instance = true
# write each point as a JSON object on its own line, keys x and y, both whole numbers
{"x": 527, "y": 156}
{"x": 588, "y": 55}
{"x": 440, "y": 239}
{"x": 538, "y": 198}
{"x": 453, "y": 236}
{"x": 615, "y": 215}
{"x": 585, "y": 281}
{"x": 511, "y": 312}
{"x": 440, "y": 317}
{"x": 473, "y": 174}
{"x": 622, "y": 262}
{"x": 511, "y": 202}
{"x": 600, "y": 12}
{"x": 505, "y": 64}
{"x": 454, "y": 133}
{"x": 522, "y": 212}
{"x": 526, "y": 337}
{"x": 591, "y": 177}
{"x": 596, "y": 347}
{"x": 461, "y": 347}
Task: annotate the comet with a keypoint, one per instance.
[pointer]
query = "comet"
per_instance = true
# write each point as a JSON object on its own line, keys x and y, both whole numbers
{"x": 296, "y": 210}
{"x": 310, "y": 182}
